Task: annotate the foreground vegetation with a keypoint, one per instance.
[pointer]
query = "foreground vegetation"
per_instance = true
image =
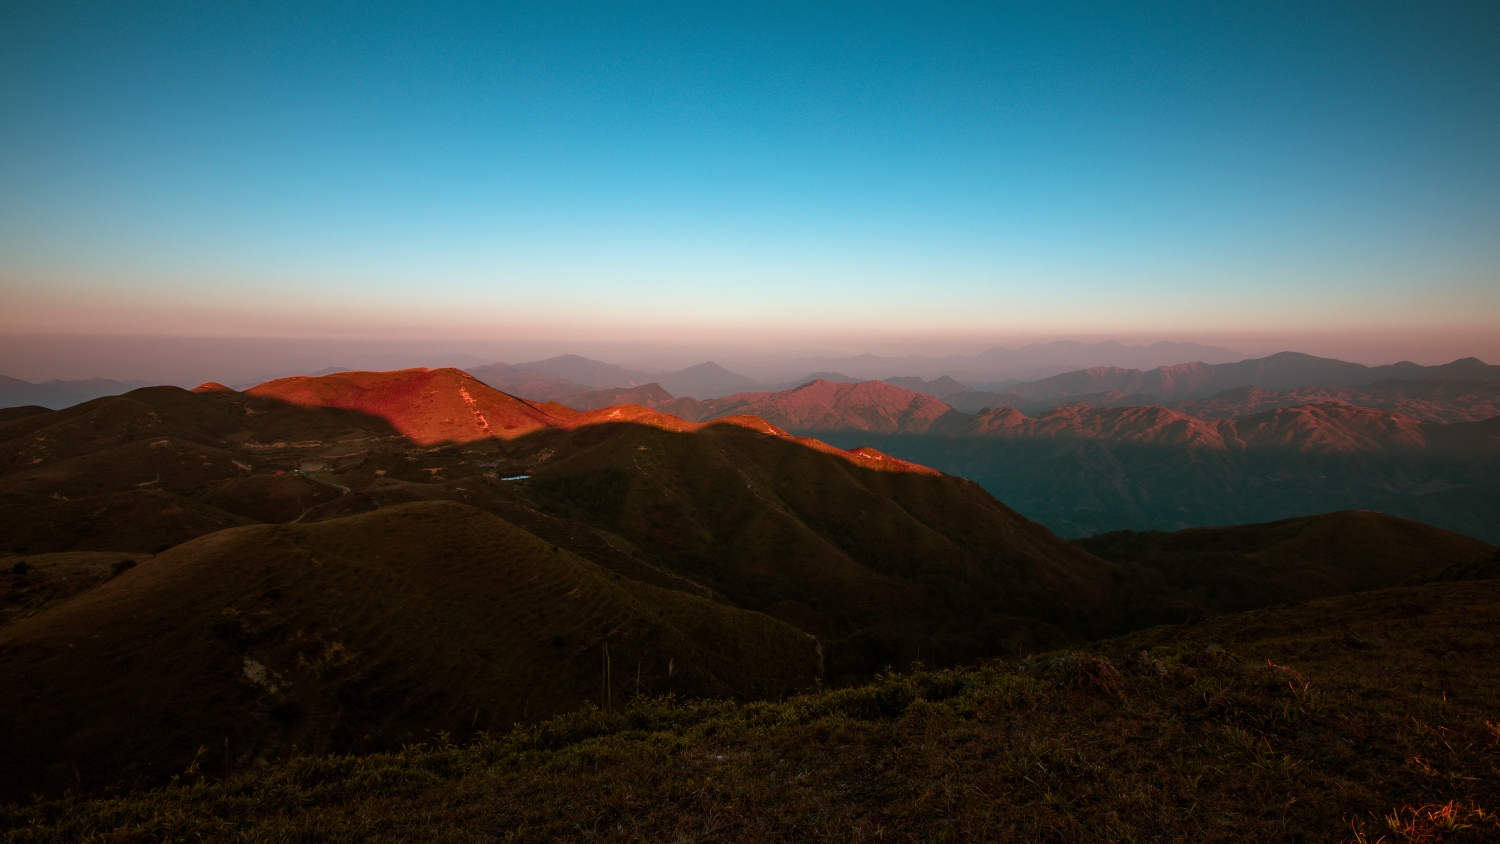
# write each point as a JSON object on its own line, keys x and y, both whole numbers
{"x": 1360, "y": 718}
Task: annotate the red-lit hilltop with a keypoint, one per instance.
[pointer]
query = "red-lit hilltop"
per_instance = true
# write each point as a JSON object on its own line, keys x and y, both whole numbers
{"x": 426, "y": 406}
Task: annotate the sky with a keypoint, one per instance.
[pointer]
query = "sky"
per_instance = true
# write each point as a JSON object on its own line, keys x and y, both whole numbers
{"x": 869, "y": 177}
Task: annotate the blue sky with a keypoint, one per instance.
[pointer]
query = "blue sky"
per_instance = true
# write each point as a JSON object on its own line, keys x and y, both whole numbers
{"x": 704, "y": 170}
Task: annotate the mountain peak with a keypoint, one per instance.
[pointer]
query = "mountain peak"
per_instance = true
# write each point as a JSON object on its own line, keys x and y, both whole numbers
{"x": 428, "y": 406}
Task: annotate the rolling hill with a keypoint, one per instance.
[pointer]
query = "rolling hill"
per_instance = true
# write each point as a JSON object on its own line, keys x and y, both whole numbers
{"x": 427, "y": 406}
{"x": 360, "y": 633}
{"x": 1212, "y": 570}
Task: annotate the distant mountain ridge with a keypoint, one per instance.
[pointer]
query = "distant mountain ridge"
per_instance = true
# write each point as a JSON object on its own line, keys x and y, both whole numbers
{"x": 1439, "y": 399}
{"x": 1083, "y": 470}
{"x": 56, "y": 395}
{"x": 1003, "y": 364}
{"x": 822, "y": 405}
{"x": 526, "y": 384}
{"x": 592, "y": 374}
{"x": 707, "y": 381}
{"x": 1282, "y": 371}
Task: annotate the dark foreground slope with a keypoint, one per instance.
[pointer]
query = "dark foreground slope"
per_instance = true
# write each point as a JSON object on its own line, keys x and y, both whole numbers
{"x": 1360, "y": 718}
{"x": 1227, "y": 569}
{"x": 353, "y": 634}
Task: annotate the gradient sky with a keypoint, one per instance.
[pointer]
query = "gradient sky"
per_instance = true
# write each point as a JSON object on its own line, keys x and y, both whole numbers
{"x": 696, "y": 172}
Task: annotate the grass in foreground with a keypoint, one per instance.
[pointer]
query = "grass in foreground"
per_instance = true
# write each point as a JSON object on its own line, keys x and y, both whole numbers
{"x": 1361, "y": 718}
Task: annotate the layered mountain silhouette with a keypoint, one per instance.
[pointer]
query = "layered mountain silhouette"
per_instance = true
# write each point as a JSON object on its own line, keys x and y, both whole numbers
{"x": 707, "y": 381}
{"x": 1284, "y": 371}
{"x": 592, "y": 374}
{"x": 527, "y": 384}
{"x": 999, "y": 366}
{"x": 941, "y": 388}
{"x": 823, "y": 406}
{"x": 1439, "y": 399}
{"x": 56, "y": 395}
{"x": 578, "y": 380}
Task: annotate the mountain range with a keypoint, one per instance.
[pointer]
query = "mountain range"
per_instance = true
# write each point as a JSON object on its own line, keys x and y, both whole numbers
{"x": 360, "y": 560}
{"x": 999, "y": 365}
{"x": 55, "y": 395}
{"x": 297, "y": 525}
{"x": 1083, "y": 470}
{"x": 1099, "y": 462}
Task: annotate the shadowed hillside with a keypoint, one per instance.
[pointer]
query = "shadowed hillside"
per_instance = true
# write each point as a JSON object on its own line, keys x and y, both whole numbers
{"x": 353, "y": 634}
{"x": 1226, "y": 569}
{"x": 879, "y": 558}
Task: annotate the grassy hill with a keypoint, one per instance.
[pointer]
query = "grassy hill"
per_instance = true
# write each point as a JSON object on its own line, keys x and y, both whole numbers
{"x": 353, "y": 634}
{"x": 1359, "y": 718}
{"x": 883, "y": 561}
{"x": 1226, "y": 569}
